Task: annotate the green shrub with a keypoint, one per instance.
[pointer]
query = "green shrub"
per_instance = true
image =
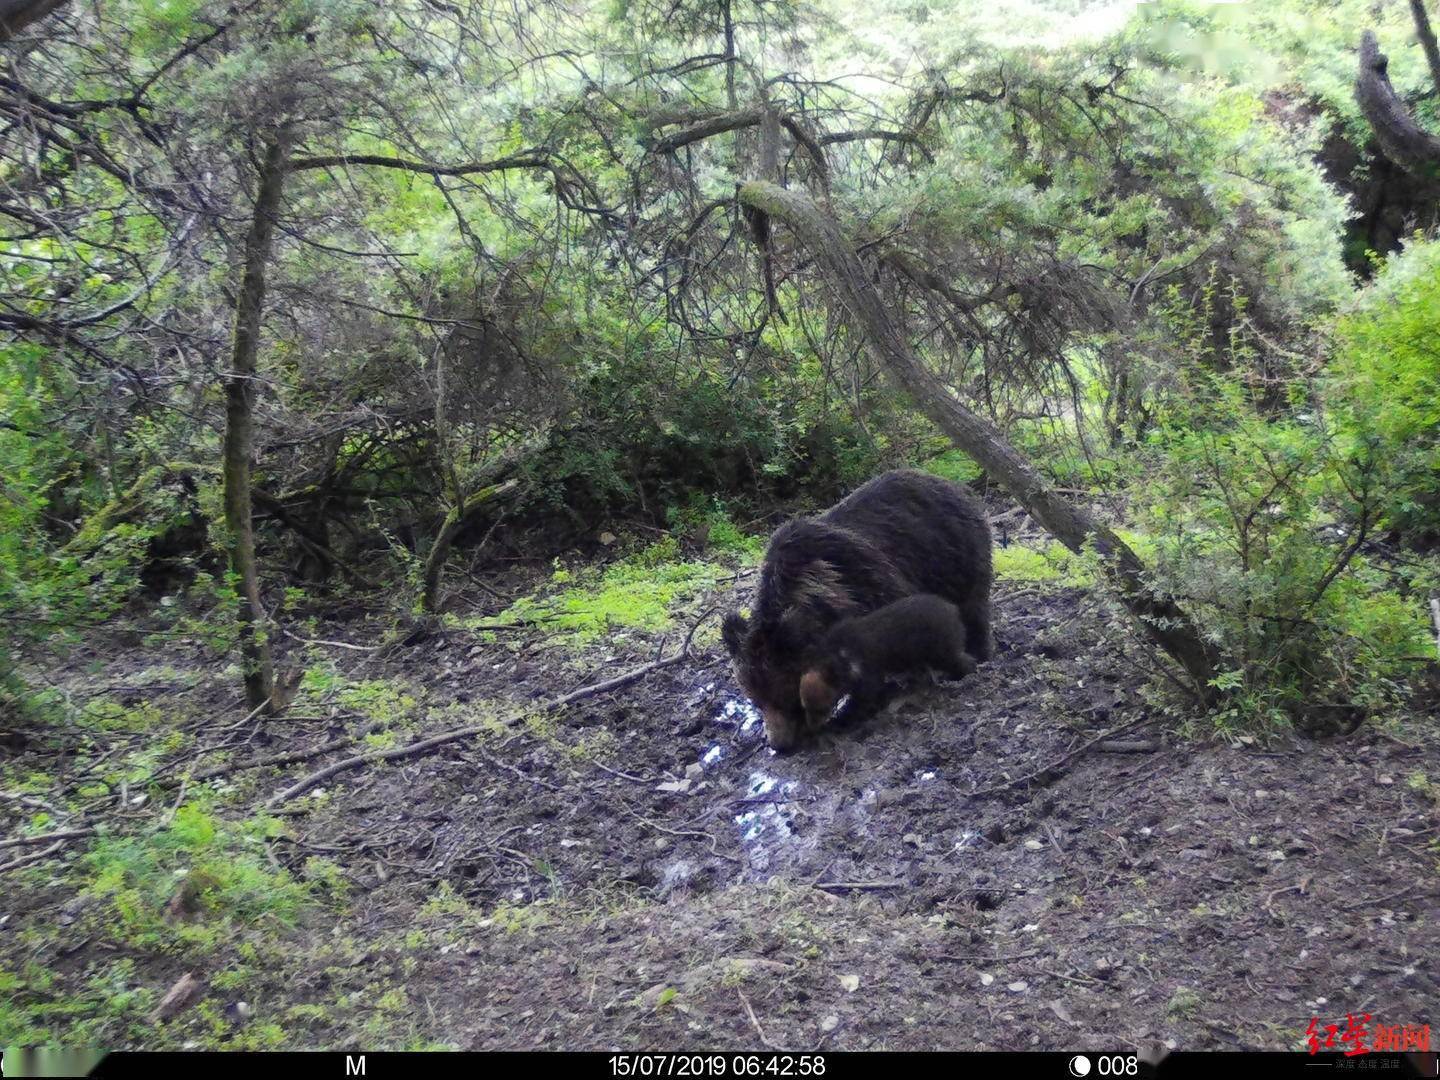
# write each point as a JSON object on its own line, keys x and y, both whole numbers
{"x": 1384, "y": 387}
{"x": 953, "y": 465}
{"x": 1258, "y": 527}
{"x": 709, "y": 515}
{"x": 55, "y": 578}
{"x": 644, "y": 439}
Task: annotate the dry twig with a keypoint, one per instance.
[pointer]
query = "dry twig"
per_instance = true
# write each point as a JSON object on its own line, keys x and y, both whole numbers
{"x": 423, "y": 746}
{"x": 1064, "y": 758}
{"x": 754, "y": 1022}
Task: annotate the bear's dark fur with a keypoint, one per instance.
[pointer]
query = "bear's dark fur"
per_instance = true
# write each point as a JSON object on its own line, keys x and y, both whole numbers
{"x": 902, "y": 533}
{"x": 919, "y": 633}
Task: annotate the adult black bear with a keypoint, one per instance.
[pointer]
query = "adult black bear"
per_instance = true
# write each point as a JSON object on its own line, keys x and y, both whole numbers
{"x": 857, "y": 656}
{"x": 902, "y": 533}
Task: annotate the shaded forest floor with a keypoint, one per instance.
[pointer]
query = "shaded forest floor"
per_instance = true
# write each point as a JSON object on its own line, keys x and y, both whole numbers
{"x": 639, "y": 871}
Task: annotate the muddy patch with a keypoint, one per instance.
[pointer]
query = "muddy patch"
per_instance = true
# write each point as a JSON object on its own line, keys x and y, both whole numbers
{"x": 1112, "y": 895}
{"x": 620, "y": 874}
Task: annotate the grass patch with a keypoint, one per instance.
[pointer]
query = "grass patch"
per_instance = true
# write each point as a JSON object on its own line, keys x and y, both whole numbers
{"x": 954, "y": 465}
{"x": 1055, "y": 564}
{"x": 199, "y": 893}
{"x": 1183, "y": 1004}
{"x": 387, "y": 700}
{"x": 191, "y": 885}
{"x": 641, "y": 592}
{"x": 32, "y": 1013}
{"x": 710, "y": 518}
{"x": 108, "y": 715}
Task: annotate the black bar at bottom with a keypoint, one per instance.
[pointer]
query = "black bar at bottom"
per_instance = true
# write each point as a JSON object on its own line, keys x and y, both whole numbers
{"x": 705, "y": 1065}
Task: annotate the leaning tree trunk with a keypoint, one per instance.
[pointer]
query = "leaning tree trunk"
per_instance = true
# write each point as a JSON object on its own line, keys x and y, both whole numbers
{"x": 240, "y": 424}
{"x": 1403, "y": 140}
{"x": 1426, "y": 33}
{"x": 1070, "y": 523}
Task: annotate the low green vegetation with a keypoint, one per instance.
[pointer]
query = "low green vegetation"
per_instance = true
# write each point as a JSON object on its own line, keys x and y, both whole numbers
{"x": 1262, "y": 521}
{"x": 644, "y": 591}
{"x": 197, "y": 889}
{"x": 1384, "y": 390}
{"x": 391, "y": 701}
{"x": 1119, "y": 247}
{"x": 1047, "y": 564}
{"x": 192, "y": 884}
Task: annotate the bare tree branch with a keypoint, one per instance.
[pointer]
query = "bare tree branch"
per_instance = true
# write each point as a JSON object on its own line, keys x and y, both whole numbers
{"x": 708, "y": 127}
{"x": 530, "y": 160}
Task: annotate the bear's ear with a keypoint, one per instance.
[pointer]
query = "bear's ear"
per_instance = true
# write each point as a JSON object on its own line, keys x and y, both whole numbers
{"x": 820, "y": 588}
{"x": 818, "y": 582}
{"x": 733, "y": 631}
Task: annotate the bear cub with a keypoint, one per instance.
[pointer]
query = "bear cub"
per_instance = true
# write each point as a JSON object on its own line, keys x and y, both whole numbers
{"x": 857, "y": 656}
{"x": 903, "y": 533}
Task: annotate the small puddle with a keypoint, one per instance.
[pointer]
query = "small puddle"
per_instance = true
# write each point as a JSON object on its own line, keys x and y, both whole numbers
{"x": 762, "y": 783}
{"x": 700, "y": 693}
{"x": 766, "y": 823}
{"x": 712, "y": 755}
{"x": 739, "y": 713}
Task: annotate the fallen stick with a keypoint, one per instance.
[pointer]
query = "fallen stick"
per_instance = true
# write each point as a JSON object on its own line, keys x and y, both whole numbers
{"x": 714, "y": 850}
{"x": 335, "y": 644}
{"x": 860, "y": 886}
{"x": 623, "y": 775}
{"x": 26, "y": 860}
{"x": 978, "y": 959}
{"x": 754, "y": 1022}
{"x": 1063, "y": 758}
{"x": 274, "y": 759}
{"x": 1078, "y": 980}
{"x": 176, "y": 998}
{"x": 32, "y": 801}
{"x": 1128, "y": 746}
{"x": 424, "y": 745}
{"x": 67, "y": 834}
{"x": 252, "y": 714}
{"x": 1360, "y": 903}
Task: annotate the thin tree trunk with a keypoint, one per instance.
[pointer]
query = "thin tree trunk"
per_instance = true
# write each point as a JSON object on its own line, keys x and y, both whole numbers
{"x": 454, "y": 521}
{"x": 240, "y": 423}
{"x": 729, "y": 56}
{"x": 1426, "y": 33}
{"x": 1073, "y": 525}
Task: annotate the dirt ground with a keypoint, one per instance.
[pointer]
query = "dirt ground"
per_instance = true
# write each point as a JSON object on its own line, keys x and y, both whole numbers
{"x": 642, "y": 872}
